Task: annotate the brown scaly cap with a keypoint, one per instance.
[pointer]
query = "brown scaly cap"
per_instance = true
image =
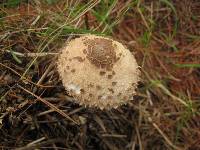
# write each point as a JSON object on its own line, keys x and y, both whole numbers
{"x": 98, "y": 71}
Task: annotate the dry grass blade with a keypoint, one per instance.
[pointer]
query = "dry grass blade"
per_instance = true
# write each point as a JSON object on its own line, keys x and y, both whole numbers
{"x": 50, "y": 105}
{"x": 22, "y": 77}
{"x": 164, "y": 136}
{"x": 170, "y": 94}
{"x": 32, "y": 54}
{"x": 39, "y": 143}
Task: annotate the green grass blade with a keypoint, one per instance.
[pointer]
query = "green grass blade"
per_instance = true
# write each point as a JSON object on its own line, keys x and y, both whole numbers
{"x": 15, "y": 57}
{"x": 188, "y": 65}
{"x": 169, "y": 4}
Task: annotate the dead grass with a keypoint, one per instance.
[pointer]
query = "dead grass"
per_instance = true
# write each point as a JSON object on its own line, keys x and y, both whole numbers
{"x": 37, "y": 113}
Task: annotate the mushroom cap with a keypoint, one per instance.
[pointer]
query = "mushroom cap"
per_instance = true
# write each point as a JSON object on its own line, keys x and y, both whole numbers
{"x": 98, "y": 71}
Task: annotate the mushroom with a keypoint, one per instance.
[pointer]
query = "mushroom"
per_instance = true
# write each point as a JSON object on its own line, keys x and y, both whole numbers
{"x": 98, "y": 71}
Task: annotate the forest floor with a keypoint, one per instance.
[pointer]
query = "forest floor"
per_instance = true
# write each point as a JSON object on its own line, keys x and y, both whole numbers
{"x": 164, "y": 35}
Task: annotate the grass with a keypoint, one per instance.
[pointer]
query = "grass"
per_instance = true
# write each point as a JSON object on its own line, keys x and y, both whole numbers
{"x": 35, "y": 110}
{"x": 187, "y": 65}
